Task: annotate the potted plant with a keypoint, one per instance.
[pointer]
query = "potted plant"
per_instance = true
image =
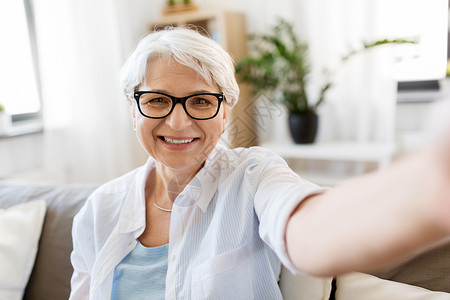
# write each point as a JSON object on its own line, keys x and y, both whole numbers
{"x": 279, "y": 68}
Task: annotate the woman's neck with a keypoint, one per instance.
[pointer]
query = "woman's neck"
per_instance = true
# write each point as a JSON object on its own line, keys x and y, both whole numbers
{"x": 166, "y": 183}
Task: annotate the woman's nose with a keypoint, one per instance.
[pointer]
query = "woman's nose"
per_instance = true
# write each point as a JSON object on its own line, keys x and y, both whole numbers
{"x": 178, "y": 119}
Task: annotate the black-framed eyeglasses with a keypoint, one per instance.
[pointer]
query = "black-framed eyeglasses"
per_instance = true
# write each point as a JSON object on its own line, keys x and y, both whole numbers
{"x": 156, "y": 105}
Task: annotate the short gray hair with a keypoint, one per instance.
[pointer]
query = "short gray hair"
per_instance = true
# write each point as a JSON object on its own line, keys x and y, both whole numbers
{"x": 188, "y": 47}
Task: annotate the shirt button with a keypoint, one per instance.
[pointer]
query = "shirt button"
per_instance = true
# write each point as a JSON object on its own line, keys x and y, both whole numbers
{"x": 172, "y": 257}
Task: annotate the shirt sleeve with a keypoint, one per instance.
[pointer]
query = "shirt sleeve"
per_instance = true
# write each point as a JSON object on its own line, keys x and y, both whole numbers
{"x": 279, "y": 191}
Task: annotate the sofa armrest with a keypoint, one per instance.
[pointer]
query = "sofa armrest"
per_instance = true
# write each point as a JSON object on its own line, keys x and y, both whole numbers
{"x": 429, "y": 270}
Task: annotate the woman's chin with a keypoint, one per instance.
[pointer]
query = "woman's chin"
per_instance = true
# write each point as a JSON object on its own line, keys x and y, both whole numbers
{"x": 189, "y": 165}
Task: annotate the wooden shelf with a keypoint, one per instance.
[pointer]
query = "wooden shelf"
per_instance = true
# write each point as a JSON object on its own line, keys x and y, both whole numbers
{"x": 179, "y": 8}
{"x": 226, "y": 28}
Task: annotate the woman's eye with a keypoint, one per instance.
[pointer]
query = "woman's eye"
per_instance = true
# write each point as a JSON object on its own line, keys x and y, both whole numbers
{"x": 201, "y": 101}
{"x": 157, "y": 100}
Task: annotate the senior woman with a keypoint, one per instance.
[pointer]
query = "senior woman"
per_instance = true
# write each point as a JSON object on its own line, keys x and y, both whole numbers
{"x": 200, "y": 221}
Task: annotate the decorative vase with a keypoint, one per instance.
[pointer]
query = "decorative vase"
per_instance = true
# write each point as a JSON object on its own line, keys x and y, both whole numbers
{"x": 303, "y": 127}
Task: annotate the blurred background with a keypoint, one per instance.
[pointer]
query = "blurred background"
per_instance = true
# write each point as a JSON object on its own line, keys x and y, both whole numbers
{"x": 63, "y": 117}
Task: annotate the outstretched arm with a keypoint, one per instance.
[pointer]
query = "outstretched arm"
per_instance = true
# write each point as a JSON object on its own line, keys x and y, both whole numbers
{"x": 375, "y": 220}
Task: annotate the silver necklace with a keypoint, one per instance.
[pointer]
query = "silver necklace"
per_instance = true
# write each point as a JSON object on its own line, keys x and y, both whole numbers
{"x": 161, "y": 208}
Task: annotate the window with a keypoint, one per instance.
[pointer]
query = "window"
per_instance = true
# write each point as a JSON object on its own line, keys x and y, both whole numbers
{"x": 427, "y": 22}
{"x": 19, "y": 80}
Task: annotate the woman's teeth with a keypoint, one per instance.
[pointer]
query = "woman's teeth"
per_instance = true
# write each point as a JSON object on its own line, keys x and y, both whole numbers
{"x": 177, "y": 142}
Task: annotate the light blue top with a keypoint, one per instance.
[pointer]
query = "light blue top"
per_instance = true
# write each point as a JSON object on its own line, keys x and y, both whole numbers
{"x": 141, "y": 274}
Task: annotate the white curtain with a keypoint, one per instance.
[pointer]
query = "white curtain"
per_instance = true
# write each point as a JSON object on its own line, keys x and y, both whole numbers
{"x": 361, "y": 105}
{"x": 88, "y": 135}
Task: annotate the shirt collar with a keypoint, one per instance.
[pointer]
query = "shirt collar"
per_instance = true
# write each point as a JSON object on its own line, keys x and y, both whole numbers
{"x": 133, "y": 211}
{"x": 205, "y": 184}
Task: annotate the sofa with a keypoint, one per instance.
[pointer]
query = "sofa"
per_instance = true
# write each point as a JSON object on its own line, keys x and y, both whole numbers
{"x": 49, "y": 277}
{"x": 48, "y": 268}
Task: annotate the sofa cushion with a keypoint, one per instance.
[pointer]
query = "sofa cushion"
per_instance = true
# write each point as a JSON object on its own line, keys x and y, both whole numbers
{"x": 357, "y": 286}
{"x": 429, "y": 270}
{"x": 20, "y": 230}
{"x": 50, "y": 278}
{"x": 297, "y": 287}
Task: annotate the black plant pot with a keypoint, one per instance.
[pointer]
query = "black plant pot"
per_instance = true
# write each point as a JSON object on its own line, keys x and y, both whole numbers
{"x": 303, "y": 127}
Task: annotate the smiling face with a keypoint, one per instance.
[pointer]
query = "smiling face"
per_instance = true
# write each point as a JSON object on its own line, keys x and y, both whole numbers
{"x": 178, "y": 141}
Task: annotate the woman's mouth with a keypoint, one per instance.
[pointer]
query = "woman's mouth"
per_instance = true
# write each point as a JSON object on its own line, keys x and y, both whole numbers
{"x": 177, "y": 141}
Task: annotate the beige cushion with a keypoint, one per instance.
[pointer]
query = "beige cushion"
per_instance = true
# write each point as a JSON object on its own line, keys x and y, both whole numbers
{"x": 360, "y": 286}
{"x": 20, "y": 230}
{"x": 303, "y": 287}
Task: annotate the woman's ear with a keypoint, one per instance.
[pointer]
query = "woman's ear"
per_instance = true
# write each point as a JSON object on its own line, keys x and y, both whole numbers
{"x": 226, "y": 113}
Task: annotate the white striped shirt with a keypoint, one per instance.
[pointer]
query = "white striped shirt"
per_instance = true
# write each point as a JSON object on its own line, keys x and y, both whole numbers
{"x": 226, "y": 237}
